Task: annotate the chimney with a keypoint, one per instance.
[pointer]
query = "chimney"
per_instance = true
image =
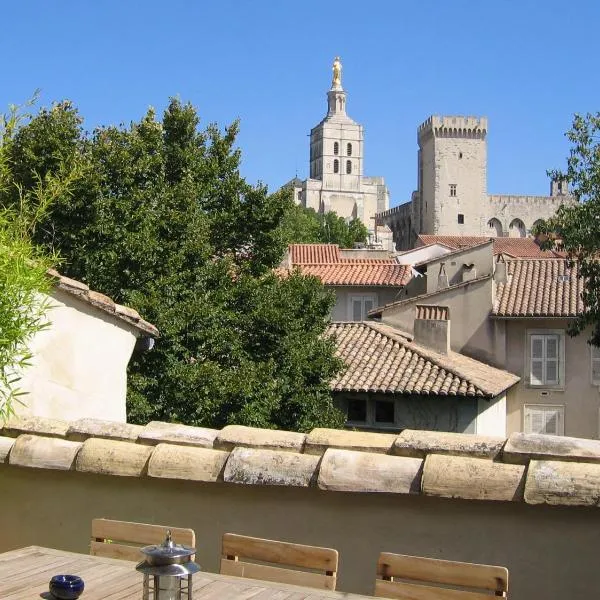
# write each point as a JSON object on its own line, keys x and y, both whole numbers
{"x": 469, "y": 272}
{"x": 442, "y": 278}
{"x": 500, "y": 270}
{"x": 432, "y": 327}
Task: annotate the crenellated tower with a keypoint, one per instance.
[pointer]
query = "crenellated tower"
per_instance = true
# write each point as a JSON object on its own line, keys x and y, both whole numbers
{"x": 452, "y": 165}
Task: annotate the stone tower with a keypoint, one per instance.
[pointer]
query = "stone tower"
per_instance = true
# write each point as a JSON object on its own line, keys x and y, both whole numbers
{"x": 336, "y": 151}
{"x": 452, "y": 158}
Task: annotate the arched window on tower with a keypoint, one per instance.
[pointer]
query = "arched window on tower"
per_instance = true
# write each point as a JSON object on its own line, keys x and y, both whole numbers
{"x": 336, "y": 166}
{"x": 348, "y": 167}
{"x": 336, "y": 148}
{"x": 349, "y": 149}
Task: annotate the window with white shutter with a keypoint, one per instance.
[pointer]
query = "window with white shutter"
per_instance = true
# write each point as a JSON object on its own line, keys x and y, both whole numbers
{"x": 595, "y": 364}
{"x": 544, "y": 418}
{"x": 546, "y": 363}
{"x": 359, "y": 306}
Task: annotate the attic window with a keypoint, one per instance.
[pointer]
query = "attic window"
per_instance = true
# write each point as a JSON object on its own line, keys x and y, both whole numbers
{"x": 563, "y": 278}
{"x": 384, "y": 411}
{"x": 357, "y": 410}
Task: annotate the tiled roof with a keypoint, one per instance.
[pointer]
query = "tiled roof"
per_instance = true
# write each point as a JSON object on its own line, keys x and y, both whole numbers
{"x": 359, "y": 274}
{"x": 326, "y": 262}
{"x": 539, "y": 288}
{"x": 82, "y": 292}
{"x": 515, "y": 247}
{"x": 379, "y": 359}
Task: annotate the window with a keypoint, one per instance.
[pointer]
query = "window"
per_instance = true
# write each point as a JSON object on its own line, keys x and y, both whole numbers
{"x": 384, "y": 411}
{"x": 336, "y": 166}
{"x": 349, "y": 149}
{"x": 357, "y": 411}
{"x": 452, "y": 190}
{"x": 544, "y": 418}
{"x": 348, "y": 167}
{"x": 460, "y": 155}
{"x": 360, "y": 306}
{"x": 336, "y": 148}
{"x": 595, "y": 364}
{"x": 546, "y": 358}
{"x": 461, "y": 219}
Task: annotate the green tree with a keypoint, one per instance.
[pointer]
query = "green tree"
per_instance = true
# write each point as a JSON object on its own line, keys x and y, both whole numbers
{"x": 24, "y": 279}
{"x": 162, "y": 220}
{"x": 305, "y": 226}
{"x": 578, "y": 225}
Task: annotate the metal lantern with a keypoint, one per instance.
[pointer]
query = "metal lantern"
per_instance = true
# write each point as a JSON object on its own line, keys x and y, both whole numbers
{"x": 168, "y": 570}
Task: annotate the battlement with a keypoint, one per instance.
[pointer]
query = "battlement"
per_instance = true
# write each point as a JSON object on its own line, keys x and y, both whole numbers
{"x": 453, "y": 126}
{"x": 396, "y": 210}
{"x": 514, "y": 200}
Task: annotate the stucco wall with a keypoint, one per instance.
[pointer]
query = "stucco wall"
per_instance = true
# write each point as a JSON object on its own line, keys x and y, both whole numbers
{"x": 472, "y": 332}
{"x": 79, "y": 366}
{"x": 551, "y": 552}
{"x": 580, "y": 398}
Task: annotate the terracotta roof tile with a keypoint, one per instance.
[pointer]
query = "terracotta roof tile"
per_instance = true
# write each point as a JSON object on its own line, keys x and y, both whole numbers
{"x": 82, "y": 292}
{"x": 515, "y": 247}
{"x": 379, "y": 359}
{"x": 326, "y": 262}
{"x": 539, "y": 288}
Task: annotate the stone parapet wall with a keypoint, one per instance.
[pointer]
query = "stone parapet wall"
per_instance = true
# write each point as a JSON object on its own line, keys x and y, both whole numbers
{"x": 535, "y": 469}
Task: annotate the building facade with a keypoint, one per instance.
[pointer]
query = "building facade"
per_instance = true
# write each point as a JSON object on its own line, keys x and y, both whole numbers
{"x": 336, "y": 179}
{"x": 451, "y": 196}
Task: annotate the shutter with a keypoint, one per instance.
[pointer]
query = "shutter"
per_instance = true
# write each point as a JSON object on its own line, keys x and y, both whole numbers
{"x": 536, "y": 363}
{"x": 357, "y": 309}
{"x": 538, "y": 424}
{"x": 551, "y": 375}
{"x": 595, "y": 352}
{"x": 552, "y": 418}
{"x": 368, "y": 306}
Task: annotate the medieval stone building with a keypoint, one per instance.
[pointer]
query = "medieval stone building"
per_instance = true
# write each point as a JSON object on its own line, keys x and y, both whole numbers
{"x": 451, "y": 196}
{"x": 336, "y": 181}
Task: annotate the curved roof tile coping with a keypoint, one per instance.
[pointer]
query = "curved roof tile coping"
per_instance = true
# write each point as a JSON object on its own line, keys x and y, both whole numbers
{"x": 536, "y": 469}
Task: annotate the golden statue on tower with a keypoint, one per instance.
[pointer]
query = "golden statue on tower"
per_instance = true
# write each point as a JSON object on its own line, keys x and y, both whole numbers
{"x": 337, "y": 73}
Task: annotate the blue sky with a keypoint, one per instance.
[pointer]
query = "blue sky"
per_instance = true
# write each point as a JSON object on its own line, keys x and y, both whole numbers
{"x": 526, "y": 65}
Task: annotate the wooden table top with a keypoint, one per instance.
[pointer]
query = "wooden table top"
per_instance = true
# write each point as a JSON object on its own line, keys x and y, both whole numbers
{"x": 26, "y": 572}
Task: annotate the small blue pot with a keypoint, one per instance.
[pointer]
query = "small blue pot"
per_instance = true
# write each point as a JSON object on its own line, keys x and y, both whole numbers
{"x": 66, "y": 587}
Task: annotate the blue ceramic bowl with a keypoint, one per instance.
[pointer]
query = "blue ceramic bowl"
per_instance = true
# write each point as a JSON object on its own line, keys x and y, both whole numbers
{"x": 66, "y": 587}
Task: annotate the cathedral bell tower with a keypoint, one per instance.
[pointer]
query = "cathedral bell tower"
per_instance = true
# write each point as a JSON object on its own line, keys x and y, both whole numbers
{"x": 336, "y": 143}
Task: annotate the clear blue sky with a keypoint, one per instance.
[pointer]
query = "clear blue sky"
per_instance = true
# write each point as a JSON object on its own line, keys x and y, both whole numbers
{"x": 526, "y": 65}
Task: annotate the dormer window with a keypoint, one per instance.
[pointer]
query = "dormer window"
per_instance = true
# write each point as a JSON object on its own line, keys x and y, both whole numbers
{"x": 336, "y": 148}
{"x": 349, "y": 149}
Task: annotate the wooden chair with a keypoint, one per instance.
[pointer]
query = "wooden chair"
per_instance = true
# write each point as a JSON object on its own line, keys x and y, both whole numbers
{"x": 123, "y": 539}
{"x": 459, "y": 581}
{"x": 236, "y": 547}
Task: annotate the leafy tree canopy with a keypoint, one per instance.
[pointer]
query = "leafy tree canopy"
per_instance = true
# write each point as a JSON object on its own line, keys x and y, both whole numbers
{"x": 162, "y": 220}
{"x": 305, "y": 226}
{"x": 577, "y": 225}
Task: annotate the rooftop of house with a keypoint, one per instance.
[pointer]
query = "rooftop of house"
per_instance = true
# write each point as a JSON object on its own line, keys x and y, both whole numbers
{"x": 335, "y": 266}
{"x": 531, "y": 468}
{"x": 381, "y": 359}
{"x": 539, "y": 288}
{"x": 82, "y": 292}
{"x": 514, "y": 247}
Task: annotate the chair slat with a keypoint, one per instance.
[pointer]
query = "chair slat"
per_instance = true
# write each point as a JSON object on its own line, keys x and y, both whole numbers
{"x": 400, "y": 590}
{"x": 140, "y": 533}
{"x": 277, "y": 574}
{"x": 431, "y": 570}
{"x": 285, "y": 553}
{"x": 115, "y": 551}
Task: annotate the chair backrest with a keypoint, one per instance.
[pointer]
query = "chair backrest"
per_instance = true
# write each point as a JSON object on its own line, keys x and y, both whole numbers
{"x": 419, "y": 576}
{"x": 123, "y": 539}
{"x": 322, "y": 561}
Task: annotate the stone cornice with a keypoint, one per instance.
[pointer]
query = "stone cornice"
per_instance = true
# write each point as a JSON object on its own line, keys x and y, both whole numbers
{"x": 535, "y": 469}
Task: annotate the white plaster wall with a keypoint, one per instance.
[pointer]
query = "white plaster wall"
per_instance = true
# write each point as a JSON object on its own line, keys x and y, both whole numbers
{"x": 79, "y": 367}
{"x": 491, "y": 416}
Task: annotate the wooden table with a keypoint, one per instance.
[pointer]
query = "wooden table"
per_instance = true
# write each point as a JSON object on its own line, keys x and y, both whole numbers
{"x": 25, "y": 574}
